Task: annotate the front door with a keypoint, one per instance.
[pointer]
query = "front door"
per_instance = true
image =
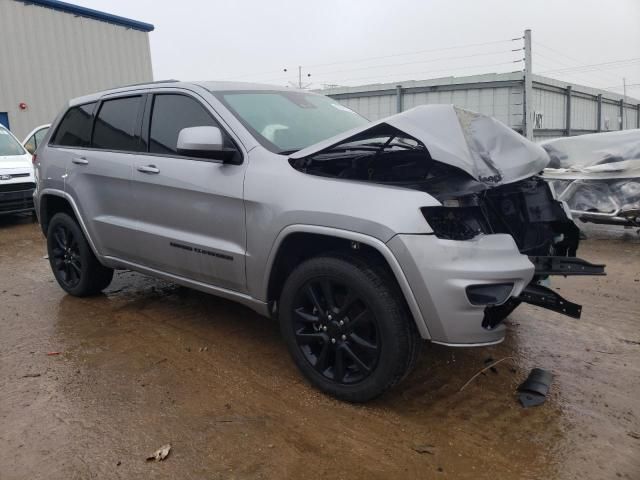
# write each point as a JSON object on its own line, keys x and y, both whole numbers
{"x": 190, "y": 211}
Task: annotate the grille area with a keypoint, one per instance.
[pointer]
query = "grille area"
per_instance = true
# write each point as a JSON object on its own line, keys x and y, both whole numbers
{"x": 16, "y": 197}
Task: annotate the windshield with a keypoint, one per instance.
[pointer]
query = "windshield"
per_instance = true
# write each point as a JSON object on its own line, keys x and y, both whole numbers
{"x": 9, "y": 146}
{"x": 288, "y": 121}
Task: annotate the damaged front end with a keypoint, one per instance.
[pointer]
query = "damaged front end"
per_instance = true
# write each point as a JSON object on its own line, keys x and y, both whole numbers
{"x": 485, "y": 177}
{"x": 539, "y": 224}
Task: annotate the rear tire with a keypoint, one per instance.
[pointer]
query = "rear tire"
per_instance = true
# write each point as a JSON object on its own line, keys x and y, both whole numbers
{"x": 347, "y": 327}
{"x": 74, "y": 265}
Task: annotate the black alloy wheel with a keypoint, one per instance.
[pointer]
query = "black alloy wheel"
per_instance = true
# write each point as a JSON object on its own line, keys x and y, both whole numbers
{"x": 335, "y": 330}
{"x": 347, "y": 326}
{"x": 72, "y": 261}
{"x": 66, "y": 256}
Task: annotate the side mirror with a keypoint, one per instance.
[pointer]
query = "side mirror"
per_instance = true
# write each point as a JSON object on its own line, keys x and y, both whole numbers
{"x": 205, "y": 143}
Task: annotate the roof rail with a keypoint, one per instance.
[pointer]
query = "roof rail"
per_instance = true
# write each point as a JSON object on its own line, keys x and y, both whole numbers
{"x": 171, "y": 80}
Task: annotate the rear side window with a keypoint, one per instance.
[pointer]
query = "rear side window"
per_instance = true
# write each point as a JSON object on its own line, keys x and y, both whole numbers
{"x": 75, "y": 128}
{"x": 116, "y": 125}
{"x": 172, "y": 113}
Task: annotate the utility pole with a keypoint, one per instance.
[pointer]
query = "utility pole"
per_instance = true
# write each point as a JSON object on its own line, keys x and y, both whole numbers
{"x": 527, "y": 113}
{"x": 300, "y": 85}
{"x": 624, "y": 99}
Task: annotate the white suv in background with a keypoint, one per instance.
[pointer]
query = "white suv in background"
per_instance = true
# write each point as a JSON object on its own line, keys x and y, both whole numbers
{"x": 17, "y": 181}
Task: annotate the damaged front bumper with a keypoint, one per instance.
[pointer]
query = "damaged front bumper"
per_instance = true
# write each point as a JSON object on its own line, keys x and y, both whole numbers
{"x": 441, "y": 273}
{"x": 455, "y": 282}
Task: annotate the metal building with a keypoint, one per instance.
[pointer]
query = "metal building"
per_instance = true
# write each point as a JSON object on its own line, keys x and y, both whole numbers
{"x": 52, "y": 51}
{"x": 558, "y": 108}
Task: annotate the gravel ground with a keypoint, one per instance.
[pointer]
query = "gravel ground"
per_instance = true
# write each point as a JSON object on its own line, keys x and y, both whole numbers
{"x": 151, "y": 363}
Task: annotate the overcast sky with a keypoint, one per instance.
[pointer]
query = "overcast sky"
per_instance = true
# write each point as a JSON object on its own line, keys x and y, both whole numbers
{"x": 590, "y": 42}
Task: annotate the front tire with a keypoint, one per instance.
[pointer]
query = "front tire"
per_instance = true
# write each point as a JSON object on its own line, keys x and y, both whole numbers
{"x": 347, "y": 327}
{"x": 74, "y": 265}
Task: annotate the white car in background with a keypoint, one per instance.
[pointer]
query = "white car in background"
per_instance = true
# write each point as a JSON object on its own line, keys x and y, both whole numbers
{"x": 17, "y": 181}
{"x": 32, "y": 141}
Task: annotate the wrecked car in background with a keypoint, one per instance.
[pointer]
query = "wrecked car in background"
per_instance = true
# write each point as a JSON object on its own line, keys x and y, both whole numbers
{"x": 598, "y": 176}
{"x": 361, "y": 238}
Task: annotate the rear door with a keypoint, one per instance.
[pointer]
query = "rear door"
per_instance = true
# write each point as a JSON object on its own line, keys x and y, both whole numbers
{"x": 191, "y": 211}
{"x": 99, "y": 177}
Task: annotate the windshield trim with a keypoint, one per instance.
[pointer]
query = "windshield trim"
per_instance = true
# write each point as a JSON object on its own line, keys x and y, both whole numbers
{"x": 219, "y": 94}
{"x": 12, "y": 136}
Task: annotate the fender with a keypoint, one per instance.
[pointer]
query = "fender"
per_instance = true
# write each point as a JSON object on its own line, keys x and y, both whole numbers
{"x": 74, "y": 207}
{"x": 373, "y": 242}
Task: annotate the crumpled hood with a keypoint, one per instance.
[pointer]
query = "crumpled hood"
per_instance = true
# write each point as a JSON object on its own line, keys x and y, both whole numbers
{"x": 486, "y": 149}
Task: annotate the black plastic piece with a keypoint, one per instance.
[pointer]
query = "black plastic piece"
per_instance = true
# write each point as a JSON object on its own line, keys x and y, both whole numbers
{"x": 489, "y": 293}
{"x": 546, "y": 298}
{"x": 565, "y": 266}
{"x": 533, "y": 391}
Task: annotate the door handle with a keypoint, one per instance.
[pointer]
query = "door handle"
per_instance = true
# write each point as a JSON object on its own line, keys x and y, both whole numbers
{"x": 80, "y": 161}
{"x": 148, "y": 169}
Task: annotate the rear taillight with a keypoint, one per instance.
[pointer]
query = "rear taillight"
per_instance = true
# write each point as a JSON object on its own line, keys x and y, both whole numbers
{"x": 34, "y": 158}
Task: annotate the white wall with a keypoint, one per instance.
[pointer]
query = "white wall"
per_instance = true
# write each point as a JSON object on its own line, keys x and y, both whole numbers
{"x": 48, "y": 57}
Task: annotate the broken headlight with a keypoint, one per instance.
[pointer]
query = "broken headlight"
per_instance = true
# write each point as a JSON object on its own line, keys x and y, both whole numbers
{"x": 456, "y": 223}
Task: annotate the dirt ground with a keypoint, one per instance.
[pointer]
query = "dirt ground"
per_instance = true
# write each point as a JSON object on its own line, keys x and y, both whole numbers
{"x": 150, "y": 363}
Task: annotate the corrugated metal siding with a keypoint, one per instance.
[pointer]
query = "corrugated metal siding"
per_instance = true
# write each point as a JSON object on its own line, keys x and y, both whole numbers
{"x": 504, "y": 103}
{"x": 48, "y": 57}
{"x": 630, "y": 118}
{"x": 610, "y": 116}
{"x": 501, "y": 96}
{"x": 584, "y": 113}
{"x": 551, "y": 106}
{"x": 374, "y": 107}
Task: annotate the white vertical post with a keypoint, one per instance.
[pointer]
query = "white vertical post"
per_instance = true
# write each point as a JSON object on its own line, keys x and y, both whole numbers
{"x": 527, "y": 113}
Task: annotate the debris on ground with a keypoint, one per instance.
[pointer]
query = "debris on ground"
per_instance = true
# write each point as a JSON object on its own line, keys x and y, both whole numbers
{"x": 51, "y": 354}
{"x": 533, "y": 391}
{"x": 423, "y": 449}
{"x": 160, "y": 454}
{"x": 488, "y": 367}
{"x": 31, "y": 375}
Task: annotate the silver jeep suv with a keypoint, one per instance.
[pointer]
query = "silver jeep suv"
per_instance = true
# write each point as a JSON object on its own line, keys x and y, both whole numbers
{"x": 362, "y": 238}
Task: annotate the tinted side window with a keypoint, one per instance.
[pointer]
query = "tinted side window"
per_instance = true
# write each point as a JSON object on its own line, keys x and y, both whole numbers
{"x": 75, "y": 128}
{"x": 172, "y": 113}
{"x": 116, "y": 125}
